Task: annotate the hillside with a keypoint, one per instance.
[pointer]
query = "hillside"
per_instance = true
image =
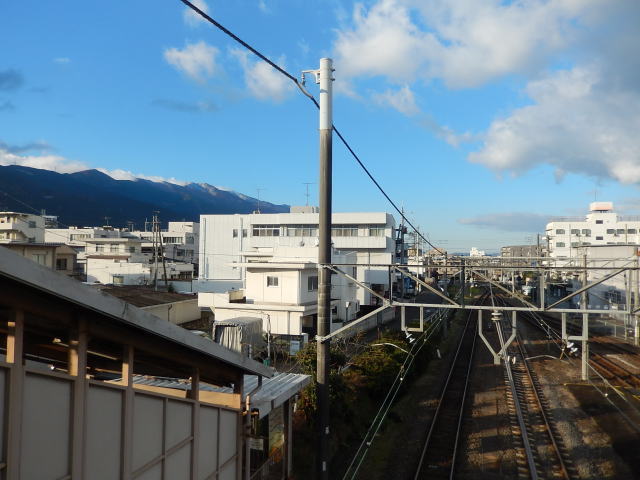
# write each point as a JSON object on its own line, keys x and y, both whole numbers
{"x": 85, "y": 198}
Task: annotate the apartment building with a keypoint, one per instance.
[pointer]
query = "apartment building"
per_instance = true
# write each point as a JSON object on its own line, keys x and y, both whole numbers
{"x": 601, "y": 226}
{"x": 21, "y": 227}
{"x": 121, "y": 261}
{"x": 228, "y": 241}
{"x": 180, "y": 241}
{"x": 24, "y": 234}
{"x": 282, "y": 290}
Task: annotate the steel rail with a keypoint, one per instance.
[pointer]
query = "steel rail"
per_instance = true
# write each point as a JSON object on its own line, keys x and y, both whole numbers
{"x": 445, "y": 388}
{"x": 543, "y": 414}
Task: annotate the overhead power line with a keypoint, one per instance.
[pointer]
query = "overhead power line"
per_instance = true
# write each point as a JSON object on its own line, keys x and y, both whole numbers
{"x": 315, "y": 102}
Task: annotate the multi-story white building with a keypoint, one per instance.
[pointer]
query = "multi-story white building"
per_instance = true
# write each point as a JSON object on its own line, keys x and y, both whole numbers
{"x": 76, "y": 238}
{"x": 601, "y": 226}
{"x": 282, "y": 290}
{"x": 21, "y": 227}
{"x": 180, "y": 241}
{"x": 228, "y": 241}
{"x": 120, "y": 261}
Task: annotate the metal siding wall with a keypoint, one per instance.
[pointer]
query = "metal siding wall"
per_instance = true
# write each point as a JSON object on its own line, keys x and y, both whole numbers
{"x": 45, "y": 428}
{"x": 104, "y": 433}
{"x": 208, "y": 448}
{"x": 148, "y": 419}
{"x": 177, "y": 431}
{"x": 228, "y": 430}
{"x": 3, "y": 423}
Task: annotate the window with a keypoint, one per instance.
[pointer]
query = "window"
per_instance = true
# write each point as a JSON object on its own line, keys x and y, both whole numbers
{"x": 39, "y": 258}
{"x": 575, "y": 244}
{"x": 375, "y": 231}
{"x": 99, "y": 248}
{"x": 586, "y": 232}
{"x": 344, "y": 231}
{"x": 189, "y": 240}
{"x": 560, "y": 231}
{"x": 235, "y": 233}
{"x": 31, "y": 239}
{"x": 575, "y": 231}
{"x": 632, "y": 231}
{"x": 599, "y": 238}
{"x": 620, "y": 231}
{"x": 312, "y": 283}
{"x": 610, "y": 230}
{"x": 172, "y": 240}
{"x": 32, "y": 224}
{"x": 244, "y": 233}
{"x": 118, "y": 279}
{"x": 61, "y": 264}
{"x": 302, "y": 230}
{"x": 266, "y": 231}
{"x": 586, "y": 244}
{"x": 115, "y": 248}
{"x": 598, "y": 222}
{"x": 132, "y": 249}
{"x": 272, "y": 281}
{"x": 559, "y": 244}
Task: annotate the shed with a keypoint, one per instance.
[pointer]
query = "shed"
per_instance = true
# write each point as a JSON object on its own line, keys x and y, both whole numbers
{"x": 239, "y": 334}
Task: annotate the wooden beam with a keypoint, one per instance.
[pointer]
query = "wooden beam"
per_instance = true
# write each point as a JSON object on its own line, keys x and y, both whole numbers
{"x": 127, "y": 417}
{"x": 78, "y": 346}
{"x": 15, "y": 345}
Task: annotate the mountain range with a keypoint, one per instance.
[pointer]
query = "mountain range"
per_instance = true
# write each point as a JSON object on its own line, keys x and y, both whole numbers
{"x": 85, "y": 198}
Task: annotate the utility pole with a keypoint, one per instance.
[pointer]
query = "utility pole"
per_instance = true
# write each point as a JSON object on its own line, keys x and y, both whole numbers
{"x": 324, "y": 77}
{"x": 154, "y": 223}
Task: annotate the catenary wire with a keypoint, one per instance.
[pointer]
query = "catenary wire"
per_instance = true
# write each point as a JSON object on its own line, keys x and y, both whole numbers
{"x": 315, "y": 102}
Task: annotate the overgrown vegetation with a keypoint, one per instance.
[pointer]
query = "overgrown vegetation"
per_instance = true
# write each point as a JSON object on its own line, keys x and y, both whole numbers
{"x": 359, "y": 382}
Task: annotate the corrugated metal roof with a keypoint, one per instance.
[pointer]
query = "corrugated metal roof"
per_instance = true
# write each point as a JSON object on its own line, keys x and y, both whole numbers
{"x": 273, "y": 392}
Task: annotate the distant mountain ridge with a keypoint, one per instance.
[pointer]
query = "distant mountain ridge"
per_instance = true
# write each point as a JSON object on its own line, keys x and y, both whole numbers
{"x": 85, "y": 198}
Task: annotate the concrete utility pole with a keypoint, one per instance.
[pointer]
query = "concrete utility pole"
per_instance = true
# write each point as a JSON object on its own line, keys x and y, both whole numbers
{"x": 324, "y": 77}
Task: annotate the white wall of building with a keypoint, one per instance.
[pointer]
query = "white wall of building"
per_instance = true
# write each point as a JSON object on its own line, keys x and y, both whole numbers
{"x": 229, "y": 239}
{"x": 602, "y": 226}
{"x": 21, "y": 227}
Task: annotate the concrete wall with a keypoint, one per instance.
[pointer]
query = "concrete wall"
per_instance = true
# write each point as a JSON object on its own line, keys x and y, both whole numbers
{"x": 176, "y": 312}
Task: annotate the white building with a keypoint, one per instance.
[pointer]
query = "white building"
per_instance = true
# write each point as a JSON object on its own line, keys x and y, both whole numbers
{"x": 77, "y": 237}
{"x": 180, "y": 241}
{"x": 474, "y": 252}
{"x": 611, "y": 294}
{"x": 120, "y": 261}
{"x": 21, "y": 227}
{"x": 227, "y": 241}
{"x": 282, "y": 290}
{"x": 601, "y": 226}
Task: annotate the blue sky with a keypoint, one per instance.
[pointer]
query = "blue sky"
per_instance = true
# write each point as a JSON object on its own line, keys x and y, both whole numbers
{"x": 481, "y": 117}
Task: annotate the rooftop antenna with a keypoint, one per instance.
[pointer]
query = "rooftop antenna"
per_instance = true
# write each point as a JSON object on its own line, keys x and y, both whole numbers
{"x": 259, "y": 190}
{"x": 306, "y": 184}
{"x": 106, "y": 221}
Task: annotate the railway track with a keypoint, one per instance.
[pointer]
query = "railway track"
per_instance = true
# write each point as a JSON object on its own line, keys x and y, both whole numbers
{"x": 440, "y": 449}
{"x": 539, "y": 447}
{"x": 600, "y": 351}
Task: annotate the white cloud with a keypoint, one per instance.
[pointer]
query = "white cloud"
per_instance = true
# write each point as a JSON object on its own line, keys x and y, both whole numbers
{"x": 262, "y": 5}
{"x": 466, "y": 43}
{"x": 579, "y": 122}
{"x": 197, "y": 60}
{"x": 261, "y": 79}
{"x": 62, "y": 60}
{"x": 57, "y": 163}
{"x": 191, "y": 17}
{"x": 402, "y": 100}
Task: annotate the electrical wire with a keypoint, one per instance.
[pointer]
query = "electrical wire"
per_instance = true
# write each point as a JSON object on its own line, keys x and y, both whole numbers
{"x": 315, "y": 102}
